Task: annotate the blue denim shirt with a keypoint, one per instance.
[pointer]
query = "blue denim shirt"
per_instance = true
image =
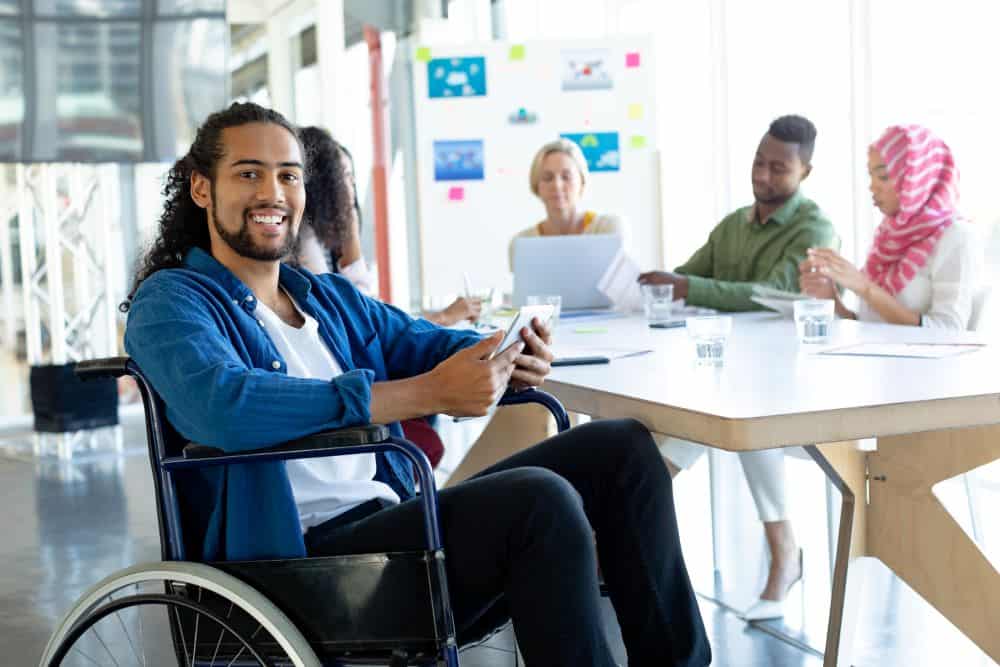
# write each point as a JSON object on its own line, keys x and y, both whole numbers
{"x": 194, "y": 333}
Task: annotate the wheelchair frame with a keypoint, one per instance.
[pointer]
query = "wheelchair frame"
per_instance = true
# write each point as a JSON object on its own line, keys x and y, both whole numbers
{"x": 214, "y": 577}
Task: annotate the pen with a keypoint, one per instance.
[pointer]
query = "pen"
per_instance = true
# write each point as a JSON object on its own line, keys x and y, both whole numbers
{"x": 468, "y": 285}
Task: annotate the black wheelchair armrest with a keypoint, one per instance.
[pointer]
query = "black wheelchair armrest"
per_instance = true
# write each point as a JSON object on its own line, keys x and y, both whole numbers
{"x": 109, "y": 367}
{"x": 327, "y": 440}
{"x": 543, "y": 398}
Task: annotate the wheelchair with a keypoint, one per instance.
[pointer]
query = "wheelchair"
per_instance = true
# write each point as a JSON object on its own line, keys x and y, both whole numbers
{"x": 368, "y": 609}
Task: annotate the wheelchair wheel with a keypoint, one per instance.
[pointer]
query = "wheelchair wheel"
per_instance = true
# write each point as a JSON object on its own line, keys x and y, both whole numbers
{"x": 176, "y": 613}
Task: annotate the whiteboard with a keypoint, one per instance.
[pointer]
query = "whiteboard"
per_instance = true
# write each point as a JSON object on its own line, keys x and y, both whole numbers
{"x": 477, "y": 95}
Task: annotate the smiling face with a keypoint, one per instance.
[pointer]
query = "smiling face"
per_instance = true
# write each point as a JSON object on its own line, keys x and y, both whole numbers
{"x": 256, "y": 197}
{"x": 884, "y": 194}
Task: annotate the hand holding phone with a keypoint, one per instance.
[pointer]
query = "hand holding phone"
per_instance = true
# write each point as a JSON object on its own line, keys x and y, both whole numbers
{"x": 522, "y": 319}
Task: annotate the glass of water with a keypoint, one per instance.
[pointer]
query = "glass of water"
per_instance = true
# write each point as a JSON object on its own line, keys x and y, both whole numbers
{"x": 709, "y": 336}
{"x": 553, "y": 300}
{"x": 657, "y": 301}
{"x": 814, "y": 320}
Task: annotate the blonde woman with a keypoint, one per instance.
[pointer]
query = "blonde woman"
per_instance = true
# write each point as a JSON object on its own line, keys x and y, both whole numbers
{"x": 557, "y": 177}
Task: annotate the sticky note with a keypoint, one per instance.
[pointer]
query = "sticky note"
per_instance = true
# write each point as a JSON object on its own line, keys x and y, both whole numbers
{"x": 516, "y": 52}
{"x": 456, "y": 194}
{"x": 632, "y": 59}
{"x": 635, "y": 112}
{"x": 637, "y": 141}
{"x": 423, "y": 54}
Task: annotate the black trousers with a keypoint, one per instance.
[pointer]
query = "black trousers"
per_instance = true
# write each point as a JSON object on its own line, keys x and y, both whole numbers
{"x": 519, "y": 541}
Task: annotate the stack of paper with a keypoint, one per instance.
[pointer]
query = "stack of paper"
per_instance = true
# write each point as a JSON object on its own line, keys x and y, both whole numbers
{"x": 620, "y": 283}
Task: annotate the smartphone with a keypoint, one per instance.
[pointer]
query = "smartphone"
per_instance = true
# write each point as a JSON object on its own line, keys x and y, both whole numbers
{"x": 522, "y": 318}
{"x": 669, "y": 324}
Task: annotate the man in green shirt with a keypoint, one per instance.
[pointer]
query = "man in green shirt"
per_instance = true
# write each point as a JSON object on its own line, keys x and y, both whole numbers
{"x": 759, "y": 244}
{"x": 763, "y": 243}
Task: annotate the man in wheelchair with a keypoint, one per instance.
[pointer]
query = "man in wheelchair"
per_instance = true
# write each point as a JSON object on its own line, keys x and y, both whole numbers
{"x": 246, "y": 351}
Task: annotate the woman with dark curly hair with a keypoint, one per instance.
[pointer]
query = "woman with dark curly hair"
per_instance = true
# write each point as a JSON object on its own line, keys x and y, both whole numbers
{"x": 330, "y": 238}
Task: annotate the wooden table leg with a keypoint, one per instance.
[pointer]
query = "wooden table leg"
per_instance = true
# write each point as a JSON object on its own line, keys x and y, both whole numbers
{"x": 914, "y": 535}
{"x": 849, "y": 462}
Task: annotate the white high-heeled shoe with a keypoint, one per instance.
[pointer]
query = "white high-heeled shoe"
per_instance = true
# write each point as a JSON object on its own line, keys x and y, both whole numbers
{"x": 764, "y": 610}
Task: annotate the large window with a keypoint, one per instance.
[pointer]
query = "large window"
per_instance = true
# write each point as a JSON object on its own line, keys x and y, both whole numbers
{"x": 935, "y": 65}
{"x": 108, "y": 80}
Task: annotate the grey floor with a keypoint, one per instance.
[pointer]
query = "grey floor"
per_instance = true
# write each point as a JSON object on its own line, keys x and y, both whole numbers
{"x": 65, "y": 526}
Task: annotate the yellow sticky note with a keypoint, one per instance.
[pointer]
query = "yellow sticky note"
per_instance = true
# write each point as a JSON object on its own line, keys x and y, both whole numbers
{"x": 516, "y": 52}
{"x": 423, "y": 54}
{"x": 635, "y": 112}
{"x": 637, "y": 141}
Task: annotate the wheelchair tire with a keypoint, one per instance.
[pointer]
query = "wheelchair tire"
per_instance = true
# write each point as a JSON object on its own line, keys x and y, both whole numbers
{"x": 171, "y": 583}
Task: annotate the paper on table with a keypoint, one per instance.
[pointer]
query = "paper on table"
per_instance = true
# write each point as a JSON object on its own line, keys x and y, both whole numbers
{"x": 914, "y": 350}
{"x": 573, "y": 351}
{"x": 620, "y": 283}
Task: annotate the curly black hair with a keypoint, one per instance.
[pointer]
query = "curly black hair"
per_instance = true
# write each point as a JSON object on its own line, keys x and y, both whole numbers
{"x": 183, "y": 224}
{"x": 794, "y": 129}
{"x": 328, "y": 207}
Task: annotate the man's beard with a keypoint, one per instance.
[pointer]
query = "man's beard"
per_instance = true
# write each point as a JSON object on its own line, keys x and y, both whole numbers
{"x": 243, "y": 244}
{"x": 773, "y": 199}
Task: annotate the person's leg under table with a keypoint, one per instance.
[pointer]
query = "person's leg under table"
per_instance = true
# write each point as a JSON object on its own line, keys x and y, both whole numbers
{"x": 628, "y": 498}
{"x": 917, "y": 538}
{"x": 517, "y": 540}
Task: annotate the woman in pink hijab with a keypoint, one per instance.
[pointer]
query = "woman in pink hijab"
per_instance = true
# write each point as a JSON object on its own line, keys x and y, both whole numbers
{"x": 925, "y": 263}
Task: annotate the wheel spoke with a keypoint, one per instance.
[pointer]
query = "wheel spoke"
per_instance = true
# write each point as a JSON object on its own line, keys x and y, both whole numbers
{"x": 180, "y": 631}
{"x": 128, "y": 636}
{"x": 194, "y": 643}
{"x": 138, "y": 614}
{"x": 78, "y": 650}
{"x": 185, "y": 604}
{"x": 222, "y": 633}
{"x": 110, "y": 654}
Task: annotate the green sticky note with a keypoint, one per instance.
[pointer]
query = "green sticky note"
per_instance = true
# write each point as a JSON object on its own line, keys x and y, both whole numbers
{"x": 516, "y": 52}
{"x": 423, "y": 54}
{"x": 593, "y": 330}
{"x": 637, "y": 141}
{"x": 635, "y": 112}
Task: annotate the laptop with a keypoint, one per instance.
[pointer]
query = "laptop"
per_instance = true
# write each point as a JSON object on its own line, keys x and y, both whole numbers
{"x": 569, "y": 266}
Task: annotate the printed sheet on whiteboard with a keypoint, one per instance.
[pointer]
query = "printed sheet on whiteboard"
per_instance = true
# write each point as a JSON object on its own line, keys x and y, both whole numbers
{"x": 912, "y": 350}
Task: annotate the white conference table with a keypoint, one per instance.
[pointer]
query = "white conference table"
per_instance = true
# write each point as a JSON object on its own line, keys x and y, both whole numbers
{"x": 934, "y": 419}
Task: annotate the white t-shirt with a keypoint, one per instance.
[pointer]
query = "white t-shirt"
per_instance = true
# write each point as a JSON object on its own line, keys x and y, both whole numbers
{"x": 327, "y": 486}
{"x": 943, "y": 288}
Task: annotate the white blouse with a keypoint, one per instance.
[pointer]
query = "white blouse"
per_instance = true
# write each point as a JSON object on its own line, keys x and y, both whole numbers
{"x": 314, "y": 257}
{"x": 944, "y": 288}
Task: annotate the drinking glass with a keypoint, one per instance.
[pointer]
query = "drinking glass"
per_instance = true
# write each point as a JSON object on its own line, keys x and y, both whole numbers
{"x": 813, "y": 320}
{"x": 709, "y": 336}
{"x": 657, "y": 301}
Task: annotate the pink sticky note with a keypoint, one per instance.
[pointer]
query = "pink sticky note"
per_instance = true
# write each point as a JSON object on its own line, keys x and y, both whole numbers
{"x": 632, "y": 59}
{"x": 456, "y": 194}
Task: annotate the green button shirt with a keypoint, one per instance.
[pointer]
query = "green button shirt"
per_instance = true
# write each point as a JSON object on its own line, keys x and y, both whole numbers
{"x": 741, "y": 252}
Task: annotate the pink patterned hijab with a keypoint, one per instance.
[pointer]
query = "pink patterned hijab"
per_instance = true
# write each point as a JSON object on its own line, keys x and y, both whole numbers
{"x": 924, "y": 175}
